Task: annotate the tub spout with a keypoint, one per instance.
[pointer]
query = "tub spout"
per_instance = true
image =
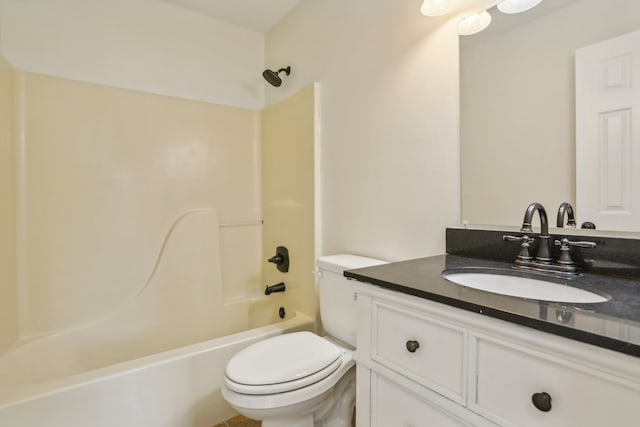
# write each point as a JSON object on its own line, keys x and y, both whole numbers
{"x": 278, "y": 287}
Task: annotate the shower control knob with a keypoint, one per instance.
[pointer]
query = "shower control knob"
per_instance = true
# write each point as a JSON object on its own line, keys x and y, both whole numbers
{"x": 276, "y": 259}
{"x": 281, "y": 259}
{"x": 541, "y": 401}
{"x": 412, "y": 346}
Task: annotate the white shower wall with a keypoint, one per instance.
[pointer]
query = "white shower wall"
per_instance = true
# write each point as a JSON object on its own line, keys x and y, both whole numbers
{"x": 104, "y": 174}
{"x": 8, "y": 309}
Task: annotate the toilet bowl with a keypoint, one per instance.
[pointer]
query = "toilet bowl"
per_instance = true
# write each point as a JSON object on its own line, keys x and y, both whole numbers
{"x": 302, "y": 379}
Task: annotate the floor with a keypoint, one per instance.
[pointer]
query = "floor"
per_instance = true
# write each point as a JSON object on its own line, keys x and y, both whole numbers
{"x": 239, "y": 421}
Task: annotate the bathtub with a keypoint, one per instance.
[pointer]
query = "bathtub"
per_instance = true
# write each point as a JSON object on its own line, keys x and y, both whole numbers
{"x": 155, "y": 356}
{"x": 174, "y": 388}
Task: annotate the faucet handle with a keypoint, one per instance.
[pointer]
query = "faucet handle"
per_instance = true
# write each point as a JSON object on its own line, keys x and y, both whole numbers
{"x": 565, "y": 257}
{"x": 524, "y": 247}
{"x": 524, "y": 239}
{"x": 565, "y": 243}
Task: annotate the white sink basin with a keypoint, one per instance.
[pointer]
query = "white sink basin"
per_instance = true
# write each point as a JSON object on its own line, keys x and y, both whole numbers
{"x": 523, "y": 287}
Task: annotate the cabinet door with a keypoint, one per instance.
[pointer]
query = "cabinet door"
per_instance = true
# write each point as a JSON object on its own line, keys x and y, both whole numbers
{"x": 393, "y": 405}
{"x": 508, "y": 377}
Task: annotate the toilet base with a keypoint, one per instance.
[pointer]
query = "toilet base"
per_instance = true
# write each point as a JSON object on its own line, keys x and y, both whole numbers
{"x": 333, "y": 408}
{"x": 336, "y": 411}
{"x": 339, "y": 411}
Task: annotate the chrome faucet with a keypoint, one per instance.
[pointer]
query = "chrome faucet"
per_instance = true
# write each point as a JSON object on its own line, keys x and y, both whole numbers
{"x": 566, "y": 208}
{"x": 544, "y": 248}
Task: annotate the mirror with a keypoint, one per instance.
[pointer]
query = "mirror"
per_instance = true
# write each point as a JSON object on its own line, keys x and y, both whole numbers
{"x": 517, "y": 106}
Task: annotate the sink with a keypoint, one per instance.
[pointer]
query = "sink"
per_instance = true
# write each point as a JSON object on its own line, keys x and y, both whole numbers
{"x": 523, "y": 287}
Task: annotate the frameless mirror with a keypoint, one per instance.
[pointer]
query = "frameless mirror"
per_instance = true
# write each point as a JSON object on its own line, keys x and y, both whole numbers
{"x": 517, "y": 106}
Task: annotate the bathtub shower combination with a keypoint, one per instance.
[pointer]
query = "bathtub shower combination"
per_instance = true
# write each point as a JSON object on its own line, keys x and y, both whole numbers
{"x": 158, "y": 360}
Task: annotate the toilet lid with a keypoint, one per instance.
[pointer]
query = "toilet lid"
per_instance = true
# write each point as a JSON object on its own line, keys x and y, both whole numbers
{"x": 287, "y": 362}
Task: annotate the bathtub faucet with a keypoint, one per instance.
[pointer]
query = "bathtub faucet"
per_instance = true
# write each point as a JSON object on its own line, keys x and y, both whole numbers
{"x": 278, "y": 287}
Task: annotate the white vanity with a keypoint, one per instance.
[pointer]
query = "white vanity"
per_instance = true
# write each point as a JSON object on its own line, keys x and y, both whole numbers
{"x": 423, "y": 363}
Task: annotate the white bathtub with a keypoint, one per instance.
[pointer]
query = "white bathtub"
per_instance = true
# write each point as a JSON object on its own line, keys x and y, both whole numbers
{"x": 174, "y": 388}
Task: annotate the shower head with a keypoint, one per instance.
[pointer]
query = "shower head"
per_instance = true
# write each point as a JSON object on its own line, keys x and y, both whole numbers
{"x": 273, "y": 77}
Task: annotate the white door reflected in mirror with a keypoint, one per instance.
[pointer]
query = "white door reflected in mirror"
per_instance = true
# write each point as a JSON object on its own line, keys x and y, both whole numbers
{"x": 607, "y": 133}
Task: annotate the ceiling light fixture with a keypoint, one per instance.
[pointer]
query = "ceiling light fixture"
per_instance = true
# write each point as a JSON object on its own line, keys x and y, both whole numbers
{"x": 475, "y": 23}
{"x": 517, "y": 6}
{"x": 436, "y": 7}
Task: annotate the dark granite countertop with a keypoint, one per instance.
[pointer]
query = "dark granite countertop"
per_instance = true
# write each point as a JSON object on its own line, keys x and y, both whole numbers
{"x": 614, "y": 324}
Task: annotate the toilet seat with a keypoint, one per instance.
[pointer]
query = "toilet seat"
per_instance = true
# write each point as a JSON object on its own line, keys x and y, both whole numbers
{"x": 283, "y": 363}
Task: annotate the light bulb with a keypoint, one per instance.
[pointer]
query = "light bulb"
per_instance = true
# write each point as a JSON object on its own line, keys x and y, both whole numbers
{"x": 436, "y": 7}
{"x": 474, "y": 23}
{"x": 517, "y": 6}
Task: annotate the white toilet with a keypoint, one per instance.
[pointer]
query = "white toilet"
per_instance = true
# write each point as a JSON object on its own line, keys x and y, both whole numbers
{"x": 301, "y": 379}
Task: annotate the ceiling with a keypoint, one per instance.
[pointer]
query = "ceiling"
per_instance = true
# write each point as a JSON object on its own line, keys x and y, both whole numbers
{"x": 257, "y": 15}
{"x": 502, "y": 22}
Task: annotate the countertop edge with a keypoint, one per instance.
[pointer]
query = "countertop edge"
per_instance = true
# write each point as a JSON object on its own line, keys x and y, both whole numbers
{"x": 556, "y": 329}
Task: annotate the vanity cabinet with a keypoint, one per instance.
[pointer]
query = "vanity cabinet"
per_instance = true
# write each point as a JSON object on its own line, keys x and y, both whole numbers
{"x": 420, "y": 363}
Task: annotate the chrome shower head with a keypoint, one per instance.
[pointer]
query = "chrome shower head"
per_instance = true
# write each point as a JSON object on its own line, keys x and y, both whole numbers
{"x": 273, "y": 77}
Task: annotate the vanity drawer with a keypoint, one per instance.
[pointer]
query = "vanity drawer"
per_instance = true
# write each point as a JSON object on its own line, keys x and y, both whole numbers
{"x": 507, "y": 379}
{"x": 420, "y": 348}
{"x": 393, "y": 405}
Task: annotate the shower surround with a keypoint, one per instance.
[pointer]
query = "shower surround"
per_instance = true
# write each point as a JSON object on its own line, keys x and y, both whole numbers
{"x": 137, "y": 225}
{"x": 136, "y": 221}
{"x": 102, "y": 175}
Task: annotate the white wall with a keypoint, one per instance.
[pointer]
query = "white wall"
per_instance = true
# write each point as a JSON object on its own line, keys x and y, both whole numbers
{"x": 390, "y": 175}
{"x": 144, "y": 45}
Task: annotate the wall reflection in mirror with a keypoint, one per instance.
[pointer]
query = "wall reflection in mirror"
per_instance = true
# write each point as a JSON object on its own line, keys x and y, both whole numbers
{"x": 518, "y": 109}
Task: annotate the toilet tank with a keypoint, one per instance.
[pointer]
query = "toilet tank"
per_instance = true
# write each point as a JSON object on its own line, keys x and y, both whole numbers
{"x": 336, "y": 293}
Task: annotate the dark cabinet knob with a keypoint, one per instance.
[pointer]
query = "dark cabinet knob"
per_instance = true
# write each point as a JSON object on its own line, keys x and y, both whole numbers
{"x": 542, "y": 401}
{"x": 412, "y": 346}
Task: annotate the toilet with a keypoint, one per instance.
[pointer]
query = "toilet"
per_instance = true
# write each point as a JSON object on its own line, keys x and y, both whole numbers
{"x": 301, "y": 379}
